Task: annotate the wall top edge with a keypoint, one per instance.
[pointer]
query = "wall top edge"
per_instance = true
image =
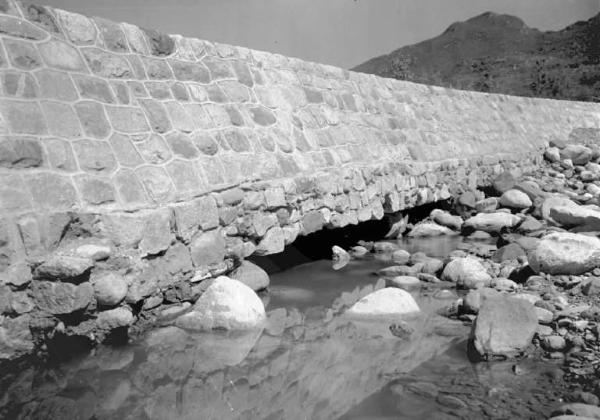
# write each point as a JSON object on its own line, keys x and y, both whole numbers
{"x": 57, "y": 22}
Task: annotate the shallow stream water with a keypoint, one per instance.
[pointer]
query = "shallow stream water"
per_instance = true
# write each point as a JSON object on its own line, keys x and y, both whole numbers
{"x": 310, "y": 362}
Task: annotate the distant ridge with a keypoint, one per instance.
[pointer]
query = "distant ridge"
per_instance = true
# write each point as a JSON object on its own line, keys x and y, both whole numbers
{"x": 501, "y": 54}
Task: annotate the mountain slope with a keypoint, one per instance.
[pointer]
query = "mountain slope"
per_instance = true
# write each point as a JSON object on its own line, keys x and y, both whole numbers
{"x": 499, "y": 53}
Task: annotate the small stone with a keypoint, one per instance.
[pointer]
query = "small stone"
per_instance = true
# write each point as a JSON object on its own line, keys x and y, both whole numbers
{"x": 592, "y": 287}
{"x": 578, "y": 154}
{"x": 20, "y": 29}
{"x": 23, "y": 54}
{"x": 272, "y": 243}
{"x": 466, "y": 273}
{"x": 61, "y": 55}
{"x": 427, "y": 229}
{"x": 359, "y": 251}
{"x": 552, "y": 155}
{"x": 156, "y": 233}
{"x": 21, "y": 303}
{"x": 515, "y": 199}
{"x": 504, "y": 182}
{"x": 492, "y": 222}
{"x": 160, "y": 44}
{"x": 16, "y": 152}
{"x": 554, "y": 343}
{"x": 263, "y": 116}
{"x": 340, "y": 257}
{"x": 207, "y": 248}
{"x": 107, "y": 64}
{"x": 114, "y": 318}
{"x": 488, "y": 205}
{"x": 93, "y": 120}
{"x": 52, "y": 191}
{"x": 504, "y": 284}
{"x": 15, "y": 337}
{"x": 59, "y": 298}
{"x": 109, "y": 288}
{"x": 446, "y": 219}
{"x": 157, "y": 183}
{"x": 24, "y": 117}
{"x": 64, "y": 267}
{"x": 17, "y": 274}
{"x": 400, "y": 257}
{"x": 96, "y": 252}
{"x": 78, "y": 28}
{"x": 544, "y": 315}
{"x": 95, "y": 190}
{"x": 508, "y": 252}
{"x": 181, "y": 145}
{"x": 157, "y": 115}
{"x": 251, "y": 275}
{"x": 94, "y": 88}
{"x": 127, "y": 119}
{"x": 193, "y": 72}
{"x": 95, "y": 156}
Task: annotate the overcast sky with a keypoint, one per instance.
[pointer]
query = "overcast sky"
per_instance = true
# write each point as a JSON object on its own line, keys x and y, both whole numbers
{"x": 340, "y": 32}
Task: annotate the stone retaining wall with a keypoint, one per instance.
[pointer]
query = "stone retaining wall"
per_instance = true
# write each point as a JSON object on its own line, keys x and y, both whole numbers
{"x": 134, "y": 164}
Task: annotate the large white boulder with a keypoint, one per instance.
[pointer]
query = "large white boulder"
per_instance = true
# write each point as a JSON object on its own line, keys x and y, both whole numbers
{"x": 467, "y": 273}
{"x": 386, "y": 302}
{"x": 565, "y": 253}
{"x": 228, "y": 304}
{"x": 492, "y": 222}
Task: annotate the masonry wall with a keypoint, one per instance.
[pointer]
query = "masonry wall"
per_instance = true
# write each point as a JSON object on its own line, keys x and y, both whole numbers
{"x": 161, "y": 160}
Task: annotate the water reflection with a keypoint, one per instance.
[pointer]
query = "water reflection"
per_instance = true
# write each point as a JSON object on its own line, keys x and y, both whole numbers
{"x": 299, "y": 368}
{"x": 310, "y": 362}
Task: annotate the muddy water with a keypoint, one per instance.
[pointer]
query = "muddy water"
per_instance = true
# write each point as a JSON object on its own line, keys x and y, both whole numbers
{"x": 310, "y": 362}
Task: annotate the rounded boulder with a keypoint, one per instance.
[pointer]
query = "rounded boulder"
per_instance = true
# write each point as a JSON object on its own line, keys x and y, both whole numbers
{"x": 565, "y": 253}
{"x": 386, "y": 302}
{"x": 251, "y": 275}
{"x": 492, "y": 222}
{"x": 515, "y": 199}
{"x": 109, "y": 288}
{"x": 467, "y": 273}
{"x": 228, "y": 304}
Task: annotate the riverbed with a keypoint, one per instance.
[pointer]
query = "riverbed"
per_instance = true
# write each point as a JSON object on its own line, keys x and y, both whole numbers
{"x": 309, "y": 362}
